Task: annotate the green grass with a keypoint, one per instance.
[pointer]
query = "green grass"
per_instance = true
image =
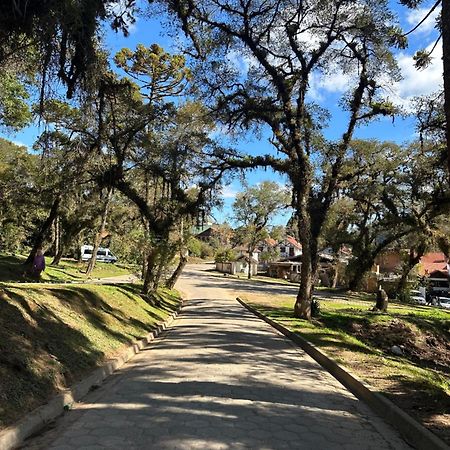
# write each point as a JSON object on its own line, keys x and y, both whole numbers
{"x": 12, "y": 270}
{"x": 52, "y": 335}
{"x": 361, "y": 340}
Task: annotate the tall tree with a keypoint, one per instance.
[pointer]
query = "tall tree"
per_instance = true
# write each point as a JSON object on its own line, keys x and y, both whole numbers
{"x": 423, "y": 57}
{"x": 253, "y": 210}
{"x": 286, "y": 45}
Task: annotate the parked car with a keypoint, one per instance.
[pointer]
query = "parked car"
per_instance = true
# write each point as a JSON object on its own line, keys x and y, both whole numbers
{"x": 418, "y": 296}
{"x": 444, "y": 302}
{"x": 103, "y": 254}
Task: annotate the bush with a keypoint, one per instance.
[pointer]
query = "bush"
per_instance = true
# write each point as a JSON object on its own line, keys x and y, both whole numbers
{"x": 195, "y": 247}
{"x": 315, "y": 307}
{"x": 225, "y": 255}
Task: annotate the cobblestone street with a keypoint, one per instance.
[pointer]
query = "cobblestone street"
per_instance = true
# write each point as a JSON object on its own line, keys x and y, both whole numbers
{"x": 219, "y": 379}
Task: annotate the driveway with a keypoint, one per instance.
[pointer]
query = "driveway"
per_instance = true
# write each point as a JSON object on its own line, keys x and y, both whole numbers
{"x": 219, "y": 379}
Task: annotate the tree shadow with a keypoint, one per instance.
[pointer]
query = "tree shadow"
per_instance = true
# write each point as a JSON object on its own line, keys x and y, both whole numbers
{"x": 41, "y": 353}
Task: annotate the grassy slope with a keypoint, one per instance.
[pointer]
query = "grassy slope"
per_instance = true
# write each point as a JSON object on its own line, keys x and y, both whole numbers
{"x": 359, "y": 339}
{"x": 11, "y": 270}
{"x": 52, "y": 335}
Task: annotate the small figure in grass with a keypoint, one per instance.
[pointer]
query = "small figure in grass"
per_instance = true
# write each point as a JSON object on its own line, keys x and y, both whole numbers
{"x": 382, "y": 300}
{"x": 38, "y": 264}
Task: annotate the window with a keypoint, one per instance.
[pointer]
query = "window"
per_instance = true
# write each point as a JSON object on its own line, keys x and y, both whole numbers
{"x": 282, "y": 249}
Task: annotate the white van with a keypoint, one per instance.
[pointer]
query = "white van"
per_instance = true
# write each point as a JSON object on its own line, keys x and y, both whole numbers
{"x": 103, "y": 254}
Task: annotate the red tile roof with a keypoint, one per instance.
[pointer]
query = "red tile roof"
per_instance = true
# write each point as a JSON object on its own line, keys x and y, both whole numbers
{"x": 270, "y": 242}
{"x": 294, "y": 242}
{"x": 434, "y": 263}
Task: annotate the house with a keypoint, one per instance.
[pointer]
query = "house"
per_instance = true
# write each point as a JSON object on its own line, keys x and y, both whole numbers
{"x": 435, "y": 269}
{"x": 243, "y": 251}
{"x": 219, "y": 233}
{"x": 241, "y": 266}
{"x": 287, "y": 247}
{"x": 290, "y": 269}
{"x": 389, "y": 261}
{"x": 434, "y": 265}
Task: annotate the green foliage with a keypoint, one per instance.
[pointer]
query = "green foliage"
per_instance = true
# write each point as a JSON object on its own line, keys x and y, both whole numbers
{"x": 422, "y": 59}
{"x": 159, "y": 74}
{"x": 14, "y": 109}
{"x": 195, "y": 247}
{"x": 225, "y": 255}
{"x": 254, "y": 208}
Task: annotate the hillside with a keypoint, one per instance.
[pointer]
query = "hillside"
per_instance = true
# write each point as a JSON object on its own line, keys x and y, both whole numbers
{"x": 53, "y": 335}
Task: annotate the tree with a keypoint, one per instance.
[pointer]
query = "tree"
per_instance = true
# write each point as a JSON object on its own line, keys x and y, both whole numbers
{"x": 254, "y": 209}
{"x": 64, "y": 32}
{"x": 423, "y": 58}
{"x": 18, "y": 212}
{"x": 286, "y": 45}
{"x": 396, "y": 194}
{"x": 156, "y": 150}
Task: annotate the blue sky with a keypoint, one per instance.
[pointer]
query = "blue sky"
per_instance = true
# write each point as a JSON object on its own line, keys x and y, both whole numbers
{"x": 327, "y": 93}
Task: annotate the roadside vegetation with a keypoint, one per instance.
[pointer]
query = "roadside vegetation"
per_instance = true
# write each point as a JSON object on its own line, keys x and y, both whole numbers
{"x": 53, "y": 335}
{"x": 361, "y": 340}
{"x": 12, "y": 269}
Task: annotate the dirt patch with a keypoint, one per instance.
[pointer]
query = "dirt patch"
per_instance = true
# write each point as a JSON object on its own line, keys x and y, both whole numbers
{"x": 424, "y": 348}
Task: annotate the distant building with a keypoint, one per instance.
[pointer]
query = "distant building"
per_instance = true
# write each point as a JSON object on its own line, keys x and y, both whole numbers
{"x": 219, "y": 233}
{"x": 241, "y": 266}
{"x": 287, "y": 247}
{"x": 434, "y": 265}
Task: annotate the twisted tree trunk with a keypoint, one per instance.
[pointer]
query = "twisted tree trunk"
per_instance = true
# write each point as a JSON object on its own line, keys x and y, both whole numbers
{"x": 45, "y": 228}
{"x": 101, "y": 232}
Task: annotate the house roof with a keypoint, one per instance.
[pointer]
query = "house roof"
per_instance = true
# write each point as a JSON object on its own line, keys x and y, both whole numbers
{"x": 270, "y": 242}
{"x": 293, "y": 241}
{"x": 434, "y": 264}
{"x": 206, "y": 233}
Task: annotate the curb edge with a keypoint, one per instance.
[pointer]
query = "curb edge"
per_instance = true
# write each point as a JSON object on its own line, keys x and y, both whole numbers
{"x": 411, "y": 430}
{"x": 40, "y": 417}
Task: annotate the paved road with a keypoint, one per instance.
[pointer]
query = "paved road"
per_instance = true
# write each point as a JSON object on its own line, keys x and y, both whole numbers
{"x": 219, "y": 379}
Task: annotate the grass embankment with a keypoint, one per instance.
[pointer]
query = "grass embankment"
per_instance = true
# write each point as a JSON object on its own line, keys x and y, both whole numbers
{"x": 51, "y": 336}
{"x": 12, "y": 270}
{"x": 362, "y": 340}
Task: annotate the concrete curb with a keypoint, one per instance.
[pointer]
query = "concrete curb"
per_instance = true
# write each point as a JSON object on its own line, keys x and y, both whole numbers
{"x": 412, "y": 431}
{"x": 36, "y": 420}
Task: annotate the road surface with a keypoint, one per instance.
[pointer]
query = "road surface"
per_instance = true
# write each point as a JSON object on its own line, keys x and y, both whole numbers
{"x": 219, "y": 379}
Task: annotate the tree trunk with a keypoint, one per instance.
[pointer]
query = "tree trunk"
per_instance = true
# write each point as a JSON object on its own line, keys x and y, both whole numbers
{"x": 335, "y": 275}
{"x": 57, "y": 241}
{"x": 249, "y": 275}
{"x": 363, "y": 265}
{"x": 302, "y": 307}
{"x": 46, "y": 227}
{"x": 382, "y": 300}
{"x": 181, "y": 265}
{"x": 445, "y": 21}
{"x": 413, "y": 259}
{"x": 58, "y": 256}
{"x": 144, "y": 265}
{"x": 101, "y": 232}
{"x": 149, "y": 274}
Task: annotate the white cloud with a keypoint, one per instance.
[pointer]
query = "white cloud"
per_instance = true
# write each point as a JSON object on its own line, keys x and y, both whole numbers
{"x": 414, "y": 16}
{"x": 416, "y": 82}
{"x": 335, "y": 82}
{"x": 229, "y": 192}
